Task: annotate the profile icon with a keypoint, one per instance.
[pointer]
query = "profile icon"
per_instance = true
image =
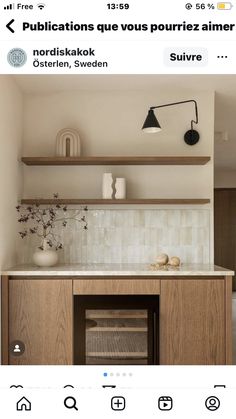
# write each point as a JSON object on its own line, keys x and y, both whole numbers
{"x": 17, "y": 57}
{"x": 212, "y": 403}
{"x": 17, "y": 348}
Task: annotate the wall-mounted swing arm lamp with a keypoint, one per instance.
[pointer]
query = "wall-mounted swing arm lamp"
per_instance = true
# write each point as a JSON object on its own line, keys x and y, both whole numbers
{"x": 151, "y": 124}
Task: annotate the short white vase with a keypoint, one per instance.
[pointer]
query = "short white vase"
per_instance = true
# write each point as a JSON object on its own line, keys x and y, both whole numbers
{"x": 107, "y": 190}
{"x": 120, "y": 187}
{"x": 46, "y": 257}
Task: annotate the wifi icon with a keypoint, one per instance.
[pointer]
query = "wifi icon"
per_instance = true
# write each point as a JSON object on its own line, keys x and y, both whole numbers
{"x": 41, "y": 6}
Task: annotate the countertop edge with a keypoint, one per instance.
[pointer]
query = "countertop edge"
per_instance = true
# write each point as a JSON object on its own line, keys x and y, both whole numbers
{"x": 143, "y": 271}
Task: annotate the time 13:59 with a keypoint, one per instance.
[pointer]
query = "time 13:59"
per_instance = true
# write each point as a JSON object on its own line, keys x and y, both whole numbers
{"x": 121, "y": 6}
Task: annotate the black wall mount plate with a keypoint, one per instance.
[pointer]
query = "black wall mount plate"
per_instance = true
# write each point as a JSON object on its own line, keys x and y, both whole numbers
{"x": 191, "y": 137}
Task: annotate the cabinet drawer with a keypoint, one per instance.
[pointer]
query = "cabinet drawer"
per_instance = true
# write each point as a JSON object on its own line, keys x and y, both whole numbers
{"x": 116, "y": 286}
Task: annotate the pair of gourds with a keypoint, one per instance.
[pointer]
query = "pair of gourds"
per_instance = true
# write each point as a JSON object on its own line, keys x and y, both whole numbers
{"x": 163, "y": 259}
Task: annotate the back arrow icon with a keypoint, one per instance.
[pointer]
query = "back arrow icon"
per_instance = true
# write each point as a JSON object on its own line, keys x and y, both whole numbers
{"x": 8, "y": 26}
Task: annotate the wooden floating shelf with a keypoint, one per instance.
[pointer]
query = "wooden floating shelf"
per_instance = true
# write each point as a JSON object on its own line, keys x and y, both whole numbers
{"x": 115, "y": 160}
{"x": 115, "y": 201}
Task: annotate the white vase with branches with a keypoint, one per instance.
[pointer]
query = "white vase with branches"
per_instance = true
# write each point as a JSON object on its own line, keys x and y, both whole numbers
{"x": 42, "y": 221}
{"x": 46, "y": 257}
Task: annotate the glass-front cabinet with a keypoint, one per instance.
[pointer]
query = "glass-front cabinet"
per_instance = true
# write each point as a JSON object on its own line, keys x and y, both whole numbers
{"x": 116, "y": 330}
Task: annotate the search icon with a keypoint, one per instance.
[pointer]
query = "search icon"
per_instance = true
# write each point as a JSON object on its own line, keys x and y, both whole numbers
{"x": 70, "y": 403}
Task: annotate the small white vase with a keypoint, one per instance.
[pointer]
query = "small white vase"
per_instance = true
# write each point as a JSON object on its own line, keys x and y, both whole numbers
{"x": 120, "y": 187}
{"x": 107, "y": 190}
{"x": 45, "y": 257}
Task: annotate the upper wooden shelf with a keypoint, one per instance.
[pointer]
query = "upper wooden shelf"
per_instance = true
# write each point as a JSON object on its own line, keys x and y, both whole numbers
{"x": 146, "y": 201}
{"x": 115, "y": 160}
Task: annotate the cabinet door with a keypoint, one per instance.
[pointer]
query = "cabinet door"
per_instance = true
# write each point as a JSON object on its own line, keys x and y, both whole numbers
{"x": 192, "y": 322}
{"x": 40, "y": 315}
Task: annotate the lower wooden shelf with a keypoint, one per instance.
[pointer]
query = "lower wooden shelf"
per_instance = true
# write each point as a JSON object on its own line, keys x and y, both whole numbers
{"x": 82, "y": 201}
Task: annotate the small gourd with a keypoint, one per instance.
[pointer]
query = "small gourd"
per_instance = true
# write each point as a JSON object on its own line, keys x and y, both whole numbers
{"x": 162, "y": 259}
{"x": 174, "y": 261}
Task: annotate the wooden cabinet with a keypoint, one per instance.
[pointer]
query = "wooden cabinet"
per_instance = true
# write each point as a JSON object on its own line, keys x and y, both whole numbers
{"x": 195, "y": 316}
{"x": 40, "y": 316}
{"x": 193, "y": 322}
{"x": 225, "y": 228}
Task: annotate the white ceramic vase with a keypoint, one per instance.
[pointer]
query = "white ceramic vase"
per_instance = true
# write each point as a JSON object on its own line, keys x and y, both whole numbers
{"x": 107, "y": 189}
{"x": 120, "y": 187}
{"x": 46, "y": 257}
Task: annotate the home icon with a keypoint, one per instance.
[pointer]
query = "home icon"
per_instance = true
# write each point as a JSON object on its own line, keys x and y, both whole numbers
{"x": 23, "y": 404}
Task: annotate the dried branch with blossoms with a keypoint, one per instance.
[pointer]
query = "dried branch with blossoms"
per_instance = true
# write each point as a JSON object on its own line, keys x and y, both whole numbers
{"x": 42, "y": 221}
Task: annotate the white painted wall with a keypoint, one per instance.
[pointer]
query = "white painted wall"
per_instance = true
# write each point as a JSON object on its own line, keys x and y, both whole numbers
{"x": 10, "y": 170}
{"x": 110, "y": 123}
{"x": 11, "y": 108}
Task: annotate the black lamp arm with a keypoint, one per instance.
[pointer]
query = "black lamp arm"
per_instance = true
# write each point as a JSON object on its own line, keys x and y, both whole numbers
{"x": 179, "y": 103}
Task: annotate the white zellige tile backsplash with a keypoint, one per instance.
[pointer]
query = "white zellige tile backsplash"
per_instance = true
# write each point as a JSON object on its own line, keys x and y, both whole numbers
{"x": 132, "y": 236}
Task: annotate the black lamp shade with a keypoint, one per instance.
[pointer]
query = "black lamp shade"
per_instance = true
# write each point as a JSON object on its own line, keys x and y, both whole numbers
{"x": 151, "y": 123}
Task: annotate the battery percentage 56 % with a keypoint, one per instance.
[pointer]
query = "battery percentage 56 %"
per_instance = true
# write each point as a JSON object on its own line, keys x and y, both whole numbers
{"x": 200, "y": 6}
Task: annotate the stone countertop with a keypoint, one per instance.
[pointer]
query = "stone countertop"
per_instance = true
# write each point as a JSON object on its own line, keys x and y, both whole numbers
{"x": 114, "y": 269}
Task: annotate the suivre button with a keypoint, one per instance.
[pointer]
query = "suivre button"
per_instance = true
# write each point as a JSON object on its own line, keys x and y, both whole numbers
{"x": 185, "y": 57}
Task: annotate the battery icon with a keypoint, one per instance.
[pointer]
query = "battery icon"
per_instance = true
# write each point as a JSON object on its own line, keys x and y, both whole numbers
{"x": 224, "y": 6}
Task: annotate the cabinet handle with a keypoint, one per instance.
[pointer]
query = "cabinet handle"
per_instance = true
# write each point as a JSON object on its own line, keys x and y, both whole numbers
{"x": 155, "y": 338}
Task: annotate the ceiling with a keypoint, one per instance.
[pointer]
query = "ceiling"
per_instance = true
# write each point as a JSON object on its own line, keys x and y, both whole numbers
{"x": 57, "y": 83}
{"x": 223, "y": 85}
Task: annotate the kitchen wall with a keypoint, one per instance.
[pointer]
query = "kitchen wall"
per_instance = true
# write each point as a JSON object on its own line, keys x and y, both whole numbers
{"x": 10, "y": 172}
{"x": 134, "y": 236}
{"x": 109, "y": 123}
{"x": 11, "y": 122}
